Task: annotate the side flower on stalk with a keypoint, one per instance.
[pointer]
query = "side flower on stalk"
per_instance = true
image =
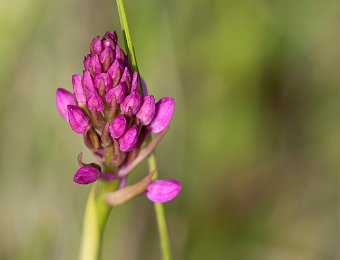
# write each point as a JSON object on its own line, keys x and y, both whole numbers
{"x": 115, "y": 117}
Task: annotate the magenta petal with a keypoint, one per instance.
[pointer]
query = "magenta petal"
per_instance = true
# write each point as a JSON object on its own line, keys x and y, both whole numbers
{"x": 94, "y": 101}
{"x": 161, "y": 191}
{"x": 86, "y": 61}
{"x": 134, "y": 84}
{"x": 78, "y": 88}
{"x": 126, "y": 77}
{"x": 115, "y": 70}
{"x": 128, "y": 141}
{"x": 79, "y": 122}
{"x": 147, "y": 110}
{"x": 119, "y": 92}
{"x": 95, "y": 67}
{"x": 86, "y": 175}
{"x": 132, "y": 102}
{"x": 64, "y": 98}
{"x": 96, "y": 45}
{"x": 107, "y": 55}
{"x": 87, "y": 81}
{"x": 118, "y": 126}
{"x": 110, "y": 40}
{"x": 164, "y": 110}
{"x": 112, "y": 36}
{"x": 105, "y": 79}
{"x": 119, "y": 53}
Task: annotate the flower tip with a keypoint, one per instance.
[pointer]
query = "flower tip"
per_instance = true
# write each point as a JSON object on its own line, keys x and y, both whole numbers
{"x": 164, "y": 110}
{"x": 94, "y": 102}
{"x": 134, "y": 84}
{"x": 118, "y": 126}
{"x": 147, "y": 110}
{"x": 126, "y": 77}
{"x": 128, "y": 141}
{"x": 94, "y": 65}
{"x": 79, "y": 122}
{"x": 161, "y": 191}
{"x": 63, "y": 99}
{"x": 119, "y": 92}
{"x": 86, "y": 175}
{"x": 111, "y": 35}
{"x": 87, "y": 81}
{"x": 78, "y": 88}
{"x": 132, "y": 102}
{"x": 103, "y": 80}
{"x": 96, "y": 45}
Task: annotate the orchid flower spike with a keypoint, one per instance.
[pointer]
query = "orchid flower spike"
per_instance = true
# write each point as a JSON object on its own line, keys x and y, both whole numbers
{"x": 110, "y": 106}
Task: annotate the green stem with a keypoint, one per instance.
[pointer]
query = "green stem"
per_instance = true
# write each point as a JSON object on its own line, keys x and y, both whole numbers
{"x": 160, "y": 215}
{"x": 127, "y": 40}
{"x": 89, "y": 248}
{"x": 126, "y": 32}
{"x": 159, "y": 209}
{"x": 96, "y": 214}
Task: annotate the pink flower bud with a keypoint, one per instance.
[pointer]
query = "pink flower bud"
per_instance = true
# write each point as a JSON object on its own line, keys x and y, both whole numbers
{"x": 106, "y": 57}
{"x": 79, "y": 122}
{"x": 147, "y": 110}
{"x": 86, "y": 61}
{"x": 115, "y": 71}
{"x": 128, "y": 141}
{"x": 119, "y": 92}
{"x": 131, "y": 102}
{"x": 86, "y": 175}
{"x": 64, "y": 98}
{"x": 78, "y": 89}
{"x": 126, "y": 77}
{"x": 112, "y": 36}
{"x": 87, "y": 81}
{"x": 134, "y": 84}
{"x": 161, "y": 191}
{"x": 164, "y": 110}
{"x": 95, "y": 67}
{"x": 103, "y": 80}
{"x": 119, "y": 54}
{"x": 94, "y": 101}
{"x": 96, "y": 45}
{"x": 118, "y": 126}
{"x": 110, "y": 40}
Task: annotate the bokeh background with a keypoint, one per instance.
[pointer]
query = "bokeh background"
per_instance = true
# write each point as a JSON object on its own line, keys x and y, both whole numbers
{"x": 255, "y": 138}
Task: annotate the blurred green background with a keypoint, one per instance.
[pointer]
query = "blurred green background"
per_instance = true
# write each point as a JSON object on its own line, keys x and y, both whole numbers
{"x": 255, "y": 138}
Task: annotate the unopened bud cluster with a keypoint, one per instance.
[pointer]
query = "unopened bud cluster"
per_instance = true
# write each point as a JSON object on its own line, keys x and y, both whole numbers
{"x": 107, "y": 106}
{"x": 110, "y": 107}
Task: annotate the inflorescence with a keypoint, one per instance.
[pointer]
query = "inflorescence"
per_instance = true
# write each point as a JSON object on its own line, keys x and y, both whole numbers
{"x": 111, "y": 108}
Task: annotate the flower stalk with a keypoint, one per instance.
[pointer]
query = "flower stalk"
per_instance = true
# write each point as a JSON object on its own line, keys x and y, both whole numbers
{"x": 160, "y": 215}
{"x": 96, "y": 215}
{"x": 97, "y": 212}
{"x": 152, "y": 163}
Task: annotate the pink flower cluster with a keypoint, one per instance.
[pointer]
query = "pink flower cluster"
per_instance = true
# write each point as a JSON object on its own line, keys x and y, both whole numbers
{"x": 110, "y": 107}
